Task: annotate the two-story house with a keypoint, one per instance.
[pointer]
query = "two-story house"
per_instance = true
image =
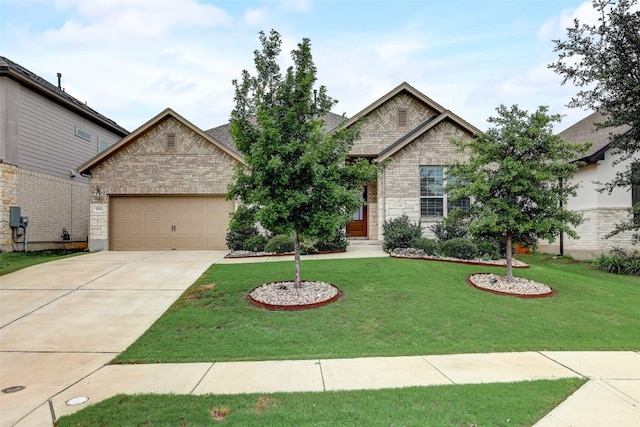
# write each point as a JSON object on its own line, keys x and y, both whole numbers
{"x": 45, "y": 133}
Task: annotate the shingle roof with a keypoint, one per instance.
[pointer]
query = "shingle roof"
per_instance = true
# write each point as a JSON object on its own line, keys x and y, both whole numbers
{"x": 18, "y": 72}
{"x": 586, "y": 131}
{"x": 221, "y": 133}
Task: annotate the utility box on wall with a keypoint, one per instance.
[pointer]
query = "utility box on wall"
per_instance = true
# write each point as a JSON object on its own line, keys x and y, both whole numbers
{"x": 14, "y": 217}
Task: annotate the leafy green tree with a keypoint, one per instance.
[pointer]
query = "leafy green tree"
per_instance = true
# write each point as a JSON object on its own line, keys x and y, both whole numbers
{"x": 514, "y": 178}
{"x": 604, "y": 60}
{"x": 294, "y": 174}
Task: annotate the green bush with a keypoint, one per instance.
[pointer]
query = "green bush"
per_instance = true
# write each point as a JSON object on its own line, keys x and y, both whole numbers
{"x": 337, "y": 243}
{"x": 460, "y": 248}
{"x": 280, "y": 244}
{"x": 489, "y": 249}
{"x": 451, "y": 227}
{"x": 241, "y": 227}
{"x": 255, "y": 243}
{"x": 619, "y": 262}
{"x": 429, "y": 246}
{"x": 400, "y": 233}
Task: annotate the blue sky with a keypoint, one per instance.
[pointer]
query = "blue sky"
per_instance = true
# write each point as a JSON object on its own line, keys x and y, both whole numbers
{"x": 130, "y": 59}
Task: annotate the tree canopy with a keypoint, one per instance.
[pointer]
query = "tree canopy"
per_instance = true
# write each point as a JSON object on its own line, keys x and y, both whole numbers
{"x": 516, "y": 179}
{"x": 294, "y": 173}
{"x": 604, "y": 60}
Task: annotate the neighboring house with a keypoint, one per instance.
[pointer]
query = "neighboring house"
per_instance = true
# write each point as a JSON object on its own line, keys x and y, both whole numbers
{"x": 165, "y": 183}
{"x": 601, "y": 210}
{"x": 44, "y": 135}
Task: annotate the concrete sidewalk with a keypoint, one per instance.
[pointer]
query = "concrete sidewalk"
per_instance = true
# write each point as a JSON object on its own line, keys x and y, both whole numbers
{"x": 62, "y": 322}
{"x": 611, "y": 397}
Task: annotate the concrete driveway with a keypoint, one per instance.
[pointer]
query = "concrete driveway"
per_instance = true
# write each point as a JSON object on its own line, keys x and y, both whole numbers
{"x": 63, "y": 320}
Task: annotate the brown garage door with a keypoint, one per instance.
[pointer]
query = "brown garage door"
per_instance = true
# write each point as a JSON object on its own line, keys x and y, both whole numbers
{"x": 168, "y": 222}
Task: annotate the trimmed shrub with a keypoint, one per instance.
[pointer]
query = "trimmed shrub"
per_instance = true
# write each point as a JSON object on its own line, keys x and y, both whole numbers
{"x": 429, "y": 246}
{"x": 241, "y": 227}
{"x": 400, "y": 233}
{"x": 460, "y": 248}
{"x": 337, "y": 243}
{"x": 451, "y": 227}
{"x": 255, "y": 243}
{"x": 280, "y": 244}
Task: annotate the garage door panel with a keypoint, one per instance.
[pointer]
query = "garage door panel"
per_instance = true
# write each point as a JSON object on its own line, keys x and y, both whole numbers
{"x": 168, "y": 222}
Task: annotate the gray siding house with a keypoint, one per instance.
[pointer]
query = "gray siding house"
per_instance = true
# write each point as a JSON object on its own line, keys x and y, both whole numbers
{"x": 45, "y": 134}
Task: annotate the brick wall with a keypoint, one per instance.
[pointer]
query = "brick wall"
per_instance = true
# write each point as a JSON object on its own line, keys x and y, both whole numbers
{"x": 144, "y": 166}
{"x": 380, "y": 128}
{"x": 399, "y": 183}
{"x": 50, "y": 203}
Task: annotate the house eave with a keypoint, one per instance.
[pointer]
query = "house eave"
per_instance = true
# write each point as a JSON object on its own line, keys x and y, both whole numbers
{"x": 85, "y": 168}
{"x": 63, "y": 99}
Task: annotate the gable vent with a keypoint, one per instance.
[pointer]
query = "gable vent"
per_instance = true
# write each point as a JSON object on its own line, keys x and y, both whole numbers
{"x": 402, "y": 118}
{"x": 171, "y": 142}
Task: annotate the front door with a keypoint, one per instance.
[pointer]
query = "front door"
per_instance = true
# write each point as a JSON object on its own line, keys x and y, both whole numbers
{"x": 357, "y": 227}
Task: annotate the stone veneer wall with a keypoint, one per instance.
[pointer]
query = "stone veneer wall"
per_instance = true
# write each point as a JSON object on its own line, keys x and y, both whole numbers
{"x": 399, "y": 183}
{"x": 50, "y": 203}
{"x": 8, "y": 197}
{"x": 597, "y": 223}
{"x": 144, "y": 166}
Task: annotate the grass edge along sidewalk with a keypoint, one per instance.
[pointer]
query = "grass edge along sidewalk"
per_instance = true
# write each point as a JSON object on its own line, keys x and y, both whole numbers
{"x": 504, "y": 404}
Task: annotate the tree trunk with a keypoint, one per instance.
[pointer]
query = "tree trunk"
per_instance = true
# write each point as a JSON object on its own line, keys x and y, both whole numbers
{"x": 297, "y": 282}
{"x": 509, "y": 259}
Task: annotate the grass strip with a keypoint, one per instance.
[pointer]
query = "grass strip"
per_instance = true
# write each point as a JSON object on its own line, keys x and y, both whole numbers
{"x": 507, "y": 404}
{"x": 14, "y": 261}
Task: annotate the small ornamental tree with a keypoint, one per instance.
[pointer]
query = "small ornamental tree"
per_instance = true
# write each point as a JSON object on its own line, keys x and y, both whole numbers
{"x": 294, "y": 174}
{"x": 604, "y": 60}
{"x": 516, "y": 178}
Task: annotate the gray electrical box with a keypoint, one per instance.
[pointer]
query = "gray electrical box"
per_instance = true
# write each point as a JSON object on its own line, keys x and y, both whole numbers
{"x": 14, "y": 217}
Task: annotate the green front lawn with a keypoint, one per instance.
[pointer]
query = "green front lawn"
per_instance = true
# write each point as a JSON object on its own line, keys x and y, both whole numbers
{"x": 14, "y": 261}
{"x": 393, "y": 307}
{"x": 514, "y": 404}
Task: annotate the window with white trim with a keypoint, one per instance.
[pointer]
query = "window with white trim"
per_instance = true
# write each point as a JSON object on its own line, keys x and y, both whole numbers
{"x": 103, "y": 144}
{"x": 83, "y": 133}
{"x": 433, "y": 199}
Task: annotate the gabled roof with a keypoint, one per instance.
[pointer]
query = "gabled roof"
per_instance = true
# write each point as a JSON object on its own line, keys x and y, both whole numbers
{"x": 222, "y": 134}
{"x": 423, "y": 128}
{"x": 403, "y": 87}
{"x": 167, "y": 113}
{"x": 38, "y": 84}
{"x": 586, "y": 131}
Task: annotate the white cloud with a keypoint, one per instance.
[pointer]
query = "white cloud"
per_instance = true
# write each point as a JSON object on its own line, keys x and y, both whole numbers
{"x": 125, "y": 21}
{"x": 253, "y": 17}
{"x": 556, "y": 27}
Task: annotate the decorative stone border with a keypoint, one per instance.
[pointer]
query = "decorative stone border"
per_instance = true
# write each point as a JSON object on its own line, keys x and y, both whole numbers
{"x": 294, "y": 307}
{"x": 552, "y": 293}
{"x": 266, "y": 254}
{"x": 457, "y": 261}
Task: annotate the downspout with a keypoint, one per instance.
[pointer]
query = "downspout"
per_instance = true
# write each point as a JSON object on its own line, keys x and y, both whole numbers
{"x": 561, "y": 232}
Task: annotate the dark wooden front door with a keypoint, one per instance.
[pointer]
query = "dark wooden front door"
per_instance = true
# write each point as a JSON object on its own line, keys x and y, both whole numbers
{"x": 357, "y": 227}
